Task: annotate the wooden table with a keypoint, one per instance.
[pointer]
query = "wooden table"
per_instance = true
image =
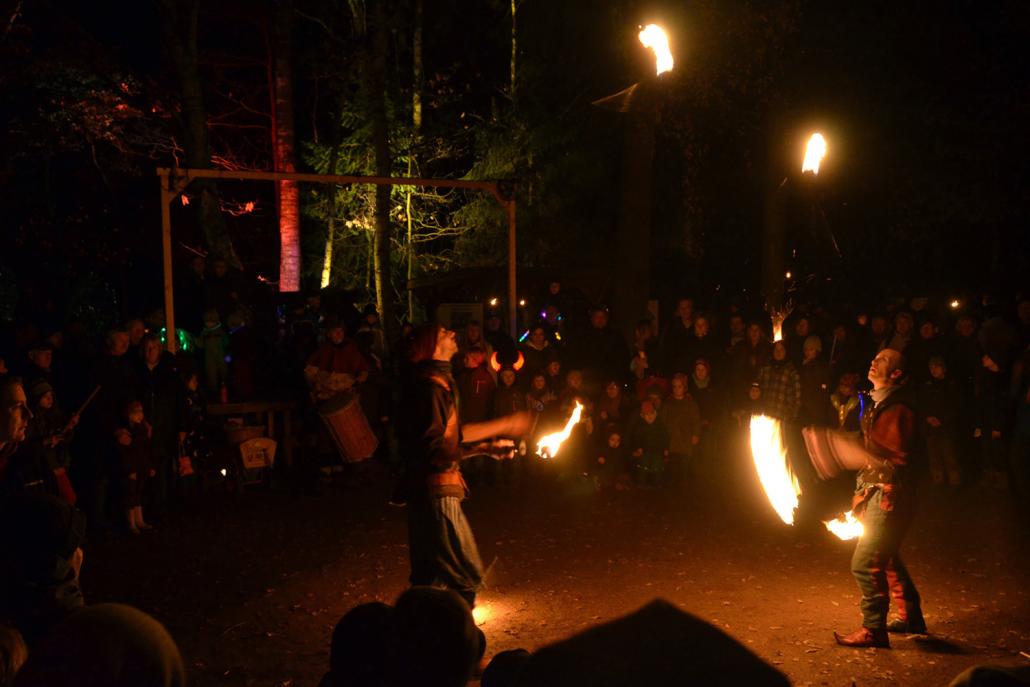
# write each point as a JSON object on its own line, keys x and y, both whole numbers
{"x": 268, "y": 409}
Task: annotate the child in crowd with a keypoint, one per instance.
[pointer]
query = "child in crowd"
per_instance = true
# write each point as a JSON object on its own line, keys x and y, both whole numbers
{"x": 194, "y": 449}
{"x": 649, "y": 443}
{"x": 554, "y": 377}
{"x": 539, "y": 397}
{"x": 134, "y": 451}
{"x": 53, "y": 431}
{"x": 941, "y": 407}
{"x": 573, "y": 391}
{"x": 682, "y": 419}
{"x": 846, "y": 403}
{"x": 508, "y": 399}
{"x": 608, "y": 466}
{"x": 613, "y": 407}
{"x": 214, "y": 342}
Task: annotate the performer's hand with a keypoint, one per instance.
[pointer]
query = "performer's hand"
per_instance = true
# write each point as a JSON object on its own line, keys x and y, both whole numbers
{"x": 501, "y": 449}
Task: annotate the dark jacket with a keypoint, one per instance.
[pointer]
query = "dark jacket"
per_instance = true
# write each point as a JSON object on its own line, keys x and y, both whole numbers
{"x": 431, "y": 435}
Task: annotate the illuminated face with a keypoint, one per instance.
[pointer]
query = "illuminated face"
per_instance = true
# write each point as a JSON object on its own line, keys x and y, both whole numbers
{"x": 119, "y": 343}
{"x": 754, "y": 334}
{"x": 811, "y": 352}
{"x": 46, "y": 401}
{"x": 553, "y": 368}
{"x": 927, "y": 330}
{"x": 903, "y": 324}
{"x": 554, "y": 288}
{"x": 649, "y": 415}
{"x": 966, "y": 327}
{"x": 779, "y": 351}
{"x": 192, "y": 383}
{"x": 685, "y": 308}
{"x": 614, "y": 440}
{"x": 538, "y": 336}
{"x": 611, "y": 390}
{"x": 599, "y": 319}
{"x": 136, "y": 332}
{"x": 701, "y": 371}
{"x": 882, "y": 369}
{"x": 14, "y": 414}
{"x": 336, "y": 336}
{"x": 679, "y": 387}
{"x": 938, "y": 371}
{"x": 508, "y": 377}
{"x": 539, "y": 382}
{"x": 701, "y": 327}
{"x": 42, "y": 359}
{"x": 135, "y": 415}
{"x": 574, "y": 379}
{"x": 446, "y": 344}
{"x": 152, "y": 352}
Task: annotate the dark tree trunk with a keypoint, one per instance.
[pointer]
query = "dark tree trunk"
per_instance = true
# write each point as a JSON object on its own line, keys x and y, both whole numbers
{"x": 179, "y": 21}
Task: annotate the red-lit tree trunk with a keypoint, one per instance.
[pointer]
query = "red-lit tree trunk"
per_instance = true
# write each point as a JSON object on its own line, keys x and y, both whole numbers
{"x": 288, "y": 192}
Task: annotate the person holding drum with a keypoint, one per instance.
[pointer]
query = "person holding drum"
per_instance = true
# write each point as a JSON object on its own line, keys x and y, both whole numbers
{"x": 434, "y": 442}
{"x": 336, "y": 365}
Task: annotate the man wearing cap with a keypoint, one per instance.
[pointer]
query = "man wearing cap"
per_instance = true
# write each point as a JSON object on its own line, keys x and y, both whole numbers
{"x": 885, "y": 501}
{"x": 442, "y": 548}
{"x": 337, "y": 365}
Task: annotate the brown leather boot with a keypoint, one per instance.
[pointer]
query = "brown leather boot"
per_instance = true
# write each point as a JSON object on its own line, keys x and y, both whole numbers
{"x": 863, "y": 637}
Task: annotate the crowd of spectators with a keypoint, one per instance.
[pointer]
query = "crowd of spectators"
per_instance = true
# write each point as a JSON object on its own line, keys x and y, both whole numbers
{"x": 116, "y": 436}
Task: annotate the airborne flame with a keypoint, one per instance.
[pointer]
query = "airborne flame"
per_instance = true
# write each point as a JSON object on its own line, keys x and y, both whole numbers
{"x": 846, "y": 527}
{"x": 770, "y": 457}
{"x": 549, "y": 444}
{"x": 653, "y": 37}
{"x": 814, "y": 154}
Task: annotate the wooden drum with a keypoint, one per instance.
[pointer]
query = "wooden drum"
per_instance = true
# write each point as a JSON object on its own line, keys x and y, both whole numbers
{"x": 349, "y": 427}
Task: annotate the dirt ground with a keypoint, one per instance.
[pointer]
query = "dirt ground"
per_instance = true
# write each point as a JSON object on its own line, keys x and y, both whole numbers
{"x": 252, "y": 586}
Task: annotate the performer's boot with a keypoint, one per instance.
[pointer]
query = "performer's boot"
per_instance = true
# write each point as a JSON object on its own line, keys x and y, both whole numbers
{"x": 911, "y": 623}
{"x": 864, "y": 637}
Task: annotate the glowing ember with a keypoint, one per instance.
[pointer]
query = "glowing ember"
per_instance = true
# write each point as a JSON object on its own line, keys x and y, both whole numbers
{"x": 653, "y": 37}
{"x": 185, "y": 200}
{"x": 778, "y": 317}
{"x": 549, "y": 444}
{"x": 846, "y": 527}
{"x": 770, "y": 457}
{"x": 814, "y": 154}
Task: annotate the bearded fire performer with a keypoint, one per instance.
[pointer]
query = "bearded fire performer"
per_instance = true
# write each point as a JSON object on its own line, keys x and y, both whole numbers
{"x": 885, "y": 501}
{"x": 434, "y": 442}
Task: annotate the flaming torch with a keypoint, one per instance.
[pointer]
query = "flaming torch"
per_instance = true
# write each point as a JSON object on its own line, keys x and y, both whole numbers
{"x": 814, "y": 154}
{"x": 770, "y": 458}
{"x": 654, "y": 37}
{"x": 845, "y": 527}
{"x": 550, "y": 444}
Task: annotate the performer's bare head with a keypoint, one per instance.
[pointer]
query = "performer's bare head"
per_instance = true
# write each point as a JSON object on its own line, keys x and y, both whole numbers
{"x": 887, "y": 369}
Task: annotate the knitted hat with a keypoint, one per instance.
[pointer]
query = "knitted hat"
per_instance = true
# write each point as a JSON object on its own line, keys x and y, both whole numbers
{"x": 39, "y": 389}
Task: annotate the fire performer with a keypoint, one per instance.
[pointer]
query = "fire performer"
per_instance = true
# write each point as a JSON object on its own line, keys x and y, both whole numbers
{"x": 885, "y": 501}
{"x": 441, "y": 545}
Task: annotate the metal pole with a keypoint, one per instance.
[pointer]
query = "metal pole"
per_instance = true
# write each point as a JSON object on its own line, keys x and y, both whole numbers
{"x": 512, "y": 299}
{"x": 171, "y": 340}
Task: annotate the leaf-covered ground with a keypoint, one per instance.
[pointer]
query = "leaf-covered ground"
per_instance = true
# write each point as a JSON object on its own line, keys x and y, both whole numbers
{"x": 251, "y": 587}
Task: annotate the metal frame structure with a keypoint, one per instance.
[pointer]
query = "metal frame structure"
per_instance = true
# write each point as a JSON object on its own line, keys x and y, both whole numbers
{"x": 175, "y": 180}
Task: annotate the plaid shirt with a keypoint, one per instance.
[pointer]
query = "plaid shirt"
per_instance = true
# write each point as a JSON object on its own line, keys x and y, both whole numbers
{"x": 781, "y": 391}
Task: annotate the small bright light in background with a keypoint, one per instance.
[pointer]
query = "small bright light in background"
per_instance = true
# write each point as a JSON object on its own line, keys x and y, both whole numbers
{"x": 224, "y": 472}
{"x": 789, "y": 275}
{"x": 522, "y": 302}
{"x": 185, "y": 199}
{"x": 954, "y": 305}
{"x": 653, "y": 37}
{"x": 493, "y": 302}
{"x": 814, "y": 154}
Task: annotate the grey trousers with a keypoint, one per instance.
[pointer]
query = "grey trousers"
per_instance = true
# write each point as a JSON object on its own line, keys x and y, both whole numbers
{"x": 442, "y": 548}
